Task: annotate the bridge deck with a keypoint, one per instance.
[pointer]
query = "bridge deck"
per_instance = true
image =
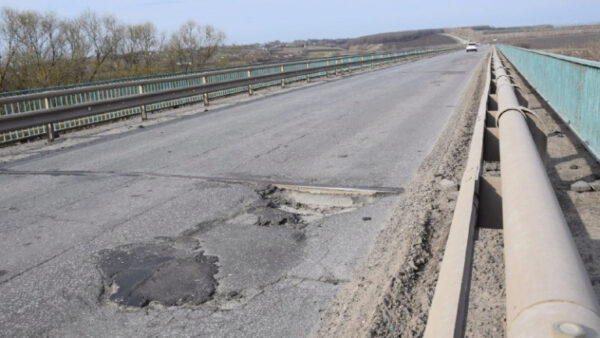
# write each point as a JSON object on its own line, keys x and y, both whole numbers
{"x": 71, "y": 217}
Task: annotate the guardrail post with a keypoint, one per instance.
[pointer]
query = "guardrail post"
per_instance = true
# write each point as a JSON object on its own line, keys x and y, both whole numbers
{"x": 327, "y": 71}
{"x": 205, "y": 95}
{"x": 250, "y": 90}
{"x": 49, "y": 126}
{"x": 307, "y": 75}
{"x": 282, "y": 80}
{"x": 142, "y": 107}
{"x": 336, "y": 68}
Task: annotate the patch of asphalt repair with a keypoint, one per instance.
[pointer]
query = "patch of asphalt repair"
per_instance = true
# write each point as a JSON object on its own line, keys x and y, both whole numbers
{"x": 175, "y": 271}
{"x": 171, "y": 272}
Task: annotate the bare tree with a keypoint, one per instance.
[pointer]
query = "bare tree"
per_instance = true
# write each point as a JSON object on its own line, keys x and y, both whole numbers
{"x": 52, "y": 48}
{"x": 44, "y": 50}
{"x": 192, "y": 45}
{"x": 212, "y": 39}
{"x": 39, "y": 48}
{"x": 104, "y": 35}
{"x": 182, "y": 46}
{"x": 139, "y": 47}
{"x": 77, "y": 49}
{"x": 8, "y": 44}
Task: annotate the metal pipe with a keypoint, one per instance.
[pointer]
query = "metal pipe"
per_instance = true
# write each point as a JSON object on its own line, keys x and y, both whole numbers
{"x": 548, "y": 291}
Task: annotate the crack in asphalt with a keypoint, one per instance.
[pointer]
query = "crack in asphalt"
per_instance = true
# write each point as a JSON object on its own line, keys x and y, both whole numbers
{"x": 110, "y": 228}
{"x": 298, "y": 280}
{"x": 219, "y": 179}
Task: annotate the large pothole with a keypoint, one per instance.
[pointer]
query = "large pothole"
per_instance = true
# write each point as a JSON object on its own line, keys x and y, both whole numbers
{"x": 280, "y": 205}
{"x": 170, "y": 272}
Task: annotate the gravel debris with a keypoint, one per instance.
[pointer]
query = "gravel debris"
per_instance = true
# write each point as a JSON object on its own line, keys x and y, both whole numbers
{"x": 581, "y": 186}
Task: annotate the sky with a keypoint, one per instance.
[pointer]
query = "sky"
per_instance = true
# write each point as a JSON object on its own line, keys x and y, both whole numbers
{"x": 258, "y": 21}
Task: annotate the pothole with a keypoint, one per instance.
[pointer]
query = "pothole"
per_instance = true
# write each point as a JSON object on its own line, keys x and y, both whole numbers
{"x": 174, "y": 271}
{"x": 171, "y": 271}
{"x": 281, "y": 205}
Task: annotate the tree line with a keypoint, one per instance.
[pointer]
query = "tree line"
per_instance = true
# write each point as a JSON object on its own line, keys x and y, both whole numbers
{"x": 41, "y": 49}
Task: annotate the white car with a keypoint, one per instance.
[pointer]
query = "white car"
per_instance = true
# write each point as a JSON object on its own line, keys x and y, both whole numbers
{"x": 471, "y": 47}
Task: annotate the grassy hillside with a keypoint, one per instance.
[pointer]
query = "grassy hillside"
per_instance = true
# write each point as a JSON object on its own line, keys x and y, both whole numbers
{"x": 277, "y": 50}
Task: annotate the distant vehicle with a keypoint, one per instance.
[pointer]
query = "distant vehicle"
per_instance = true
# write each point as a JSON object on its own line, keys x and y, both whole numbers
{"x": 471, "y": 47}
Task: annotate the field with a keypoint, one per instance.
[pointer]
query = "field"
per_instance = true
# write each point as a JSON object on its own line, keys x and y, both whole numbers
{"x": 312, "y": 48}
{"x": 581, "y": 41}
{"x": 578, "y": 41}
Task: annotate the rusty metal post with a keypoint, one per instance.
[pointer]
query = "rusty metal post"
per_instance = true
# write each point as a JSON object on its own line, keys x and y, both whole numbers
{"x": 142, "y": 107}
{"x": 205, "y": 95}
{"x": 282, "y": 80}
{"x": 50, "y": 132}
{"x": 548, "y": 290}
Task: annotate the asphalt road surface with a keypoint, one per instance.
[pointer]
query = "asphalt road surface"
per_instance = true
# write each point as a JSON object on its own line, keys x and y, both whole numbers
{"x": 175, "y": 229}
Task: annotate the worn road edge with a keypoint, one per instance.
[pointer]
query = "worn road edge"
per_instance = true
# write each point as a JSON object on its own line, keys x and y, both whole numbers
{"x": 447, "y": 315}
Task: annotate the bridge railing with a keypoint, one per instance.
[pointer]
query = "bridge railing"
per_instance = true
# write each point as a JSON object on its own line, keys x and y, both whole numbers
{"x": 570, "y": 85}
{"x": 42, "y": 112}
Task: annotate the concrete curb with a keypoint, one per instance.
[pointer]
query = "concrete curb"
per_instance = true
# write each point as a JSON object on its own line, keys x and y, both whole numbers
{"x": 448, "y": 309}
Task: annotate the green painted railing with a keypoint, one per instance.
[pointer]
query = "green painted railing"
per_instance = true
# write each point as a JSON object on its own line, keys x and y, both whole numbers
{"x": 52, "y": 98}
{"x": 167, "y": 75}
{"x": 570, "y": 85}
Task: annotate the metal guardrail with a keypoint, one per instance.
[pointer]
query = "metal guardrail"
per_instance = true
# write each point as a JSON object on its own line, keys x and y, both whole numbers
{"x": 47, "y": 112}
{"x": 177, "y": 74}
{"x": 570, "y": 85}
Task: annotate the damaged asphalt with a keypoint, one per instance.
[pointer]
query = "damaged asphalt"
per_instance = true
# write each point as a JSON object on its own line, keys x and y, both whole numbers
{"x": 174, "y": 252}
{"x": 175, "y": 271}
{"x": 136, "y": 274}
